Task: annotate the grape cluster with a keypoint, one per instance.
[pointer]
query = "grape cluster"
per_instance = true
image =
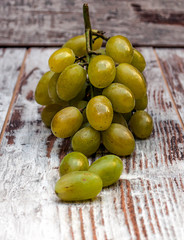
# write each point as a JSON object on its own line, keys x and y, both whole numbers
{"x": 97, "y": 101}
{"x": 95, "y": 97}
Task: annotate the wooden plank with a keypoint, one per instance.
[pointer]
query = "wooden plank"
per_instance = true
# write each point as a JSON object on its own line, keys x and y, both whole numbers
{"x": 172, "y": 64}
{"x": 10, "y": 64}
{"x": 51, "y": 23}
{"x": 146, "y": 203}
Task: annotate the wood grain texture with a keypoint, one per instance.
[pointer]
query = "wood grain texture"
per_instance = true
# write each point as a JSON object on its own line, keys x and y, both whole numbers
{"x": 51, "y": 23}
{"x": 146, "y": 203}
{"x": 172, "y": 64}
{"x": 10, "y": 64}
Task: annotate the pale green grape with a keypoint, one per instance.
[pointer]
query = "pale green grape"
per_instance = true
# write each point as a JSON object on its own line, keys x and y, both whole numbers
{"x": 74, "y": 161}
{"x": 99, "y": 113}
{"x": 66, "y": 122}
{"x": 101, "y": 71}
{"x": 71, "y": 82}
{"x": 41, "y": 92}
{"x": 60, "y": 59}
{"x": 77, "y": 186}
{"x": 119, "y": 49}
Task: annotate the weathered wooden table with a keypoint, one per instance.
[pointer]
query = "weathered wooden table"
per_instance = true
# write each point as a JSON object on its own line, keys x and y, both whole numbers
{"x": 148, "y": 200}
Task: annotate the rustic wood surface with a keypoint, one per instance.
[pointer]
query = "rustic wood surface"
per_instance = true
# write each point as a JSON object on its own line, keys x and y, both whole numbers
{"x": 146, "y": 203}
{"x": 172, "y": 64}
{"x": 10, "y": 64}
{"x": 50, "y": 23}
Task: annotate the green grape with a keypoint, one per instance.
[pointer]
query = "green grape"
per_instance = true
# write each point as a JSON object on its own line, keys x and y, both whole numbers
{"x": 78, "y": 44}
{"x": 101, "y": 51}
{"x": 108, "y": 168}
{"x": 96, "y": 43}
{"x": 118, "y": 118}
{"x": 80, "y": 95}
{"x": 99, "y": 113}
{"x": 119, "y": 49}
{"x": 49, "y": 112}
{"x": 60, "y": 59}
{"x": 66, "y": 122}
{"x": 52, "y": 90}
{"x": 127, "y": 116}
{"x": 71, "y": 82}
{"x": 77, "y": 186}
{"x": 118, "y": 140}
{"x": 41, "y": 92}
{"x": 101, "y": 71}
{"x": 86, "y": 141}
{"x": 141, "y": 124}
{"x": 74, "y": 161}
{"x": 80, "y": 104}
{"x": 141, "y": 104}
{"x": 132, "y": 78}
{"x": 121, "y": 97}
{"x": 138, "y": 60}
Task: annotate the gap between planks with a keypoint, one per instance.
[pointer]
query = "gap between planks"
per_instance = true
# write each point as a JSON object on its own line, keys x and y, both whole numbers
{"x": 14, "y": 95}
{"x": 170, "y": 93}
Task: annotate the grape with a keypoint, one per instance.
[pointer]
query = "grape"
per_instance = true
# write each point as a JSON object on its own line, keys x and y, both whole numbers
{"x": 71, "y": 82}
{"x": 101, "y": 71}
{"x": 74, "y": 161}
{"x": 78, "y": 44}
{"x": 66, "y": 122}
{"x": 60, "y": 59}
{"x": 41, "y": 92}
{"x": 141, "y": 104}
{"x": 118, "y": 140}
{"x": 118, "y": 118}
{"x": 97, "y": 43}
{"x": 52, "y": 90}
{"x": 101, "y": 51}
{"x": 132, "y": 78}
{"x": 108, "y": 168}
{"x": 141, "y": 124}
{"x": 121, "y": 97}
{"x": 138, "y": 60}
{"x": 99, "y": 113}
{"x": 119, "y": 49}
{"x": 80, "y": 104}
{"x": 49, "y": 112}
{"x": 86, "y": 141}
{"x": 79, "y": 185}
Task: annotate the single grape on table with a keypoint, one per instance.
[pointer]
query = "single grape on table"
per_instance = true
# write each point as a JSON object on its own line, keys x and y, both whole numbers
{"x": 95, "y": 96}
{"x": 74, "y": 161}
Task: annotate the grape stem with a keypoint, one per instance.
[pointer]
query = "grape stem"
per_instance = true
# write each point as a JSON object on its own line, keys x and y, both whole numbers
{"x": 89, "y": 42}
{"x": 83, "y": 64}
{"x": 80, "y": 58}
{"x": 88, "y": 31}
{"x": 100, "y": 34}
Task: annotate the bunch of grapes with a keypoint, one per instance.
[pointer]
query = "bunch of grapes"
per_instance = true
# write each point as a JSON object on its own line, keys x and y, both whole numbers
{"x": 96, "y": 95}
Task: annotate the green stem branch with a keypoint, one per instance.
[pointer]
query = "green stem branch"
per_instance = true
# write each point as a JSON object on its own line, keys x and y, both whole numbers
{"x": 100, "y": 34}
{"x": 88, "y": 32}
